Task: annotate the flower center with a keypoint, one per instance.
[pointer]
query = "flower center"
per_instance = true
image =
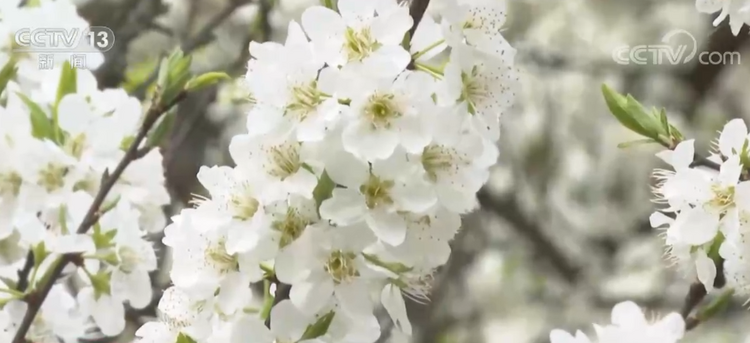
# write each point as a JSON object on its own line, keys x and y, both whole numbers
{"x": 438, "y": 158}
{"x": 10, "y": 183}
{"x": 217, "y": 255}
{"x": 284, "y": 160}
{"x": 381, "y": 109}
{"x": 291, "y": 227}
{"x": 244, "y": 206}
{"x": 473, "y": 90}
{"x": 359, "y": 44}
{"x": 376, "y": 192}
{"x": 75, "y": 146}
{"x": 723, "y": 196}
{"x": 52, "y": 177}
{"x": 305, "y": 99}
{"x": 129, "y": 259}
{"x": 340, "y": 266}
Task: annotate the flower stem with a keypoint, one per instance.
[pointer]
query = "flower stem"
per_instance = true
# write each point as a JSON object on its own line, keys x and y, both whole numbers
{"x": 268, "y": 298}
{"x": 434, "y": 71}
{"x": 421, "y": 53}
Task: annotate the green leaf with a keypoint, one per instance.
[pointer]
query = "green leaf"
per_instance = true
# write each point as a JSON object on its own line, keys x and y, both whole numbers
{"x": 324, "y": 189}
{"x": 103, "y": 240}
{"x": 319, "y": 328}
{"x": 101, "y": 283}
{"x": 329, "y": 4}
{"x": 139, "y": 73}
{"x": 163, "y": 76}
{"x": 68, "y": 82}
{"x": 7, "y": 73}
{"x": 40, "y": 253}
{"x": 205, "y": 80}
{"x": 157, "y": 135}
{"x": 637, "y": 142}
{"x": 174, "y": 73}
{"x": 183, "y": 338}
{"x": 626, "y": 111}
{"x": 9, "y": 282}
{"x": 109, "y": 205}
{"x": 395, "y": 267}
{"x": 41, "y": 124}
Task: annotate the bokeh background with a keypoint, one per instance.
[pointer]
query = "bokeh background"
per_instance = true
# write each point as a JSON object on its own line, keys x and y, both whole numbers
{"x": 562, "y": 234}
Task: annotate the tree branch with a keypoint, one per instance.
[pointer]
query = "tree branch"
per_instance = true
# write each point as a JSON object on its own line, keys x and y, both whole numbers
{"x": 697, "y": 293}
{"x": 202, "y": 38}
{"x": 35, "y": 299}
{"x": 281, "y": 294}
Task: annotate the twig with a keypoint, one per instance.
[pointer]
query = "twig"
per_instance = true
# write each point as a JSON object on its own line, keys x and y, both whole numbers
{"x": 36, "y": 299}
{"x": 416, "y": 11}
{"x": 697, "y": 293}
{"x": 700, "y": 161}
{"x": 282, "y": 293}
{"x": 202, "y": 38}
{"x": 23, "y": 274}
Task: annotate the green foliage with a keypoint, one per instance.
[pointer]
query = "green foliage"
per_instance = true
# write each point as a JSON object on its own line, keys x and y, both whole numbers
{"x": 42, "y": 126}
{"x": 183, "y": 338}
{"x": 324, "y": 189}
{"x": 174, "y": 73}
{"x": 7, "y": 73}
{"x": 159, "y": 133}
{"x": 205, "y": 80}
{"x": 319, "y": 328}
{"x": 653, "y": 124}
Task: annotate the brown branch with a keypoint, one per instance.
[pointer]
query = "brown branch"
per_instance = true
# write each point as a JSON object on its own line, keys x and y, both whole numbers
{"x": 416, "y": 11}
{"x": 281, "y": 294}
{"x": 35, "y": 299}
{"x": 697, "y": 293}
{"x": 23, "y": 274}
{"x": 700, "y": 161}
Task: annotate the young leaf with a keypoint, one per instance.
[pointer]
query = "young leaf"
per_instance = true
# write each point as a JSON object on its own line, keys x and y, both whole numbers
{"x": 205, "y": 80}
{"x": 41, "y": 125}
{"x": 324, "y": 189}
{"x": 630, "y": 144}
{"x": 626, "y": 111}
{"x": 183, "y": 338}
{"x": 7, "y": 73}
{"x": 319, "y": 328}
{"x": 157, "y": 135}
{"x": 68, "y": 82}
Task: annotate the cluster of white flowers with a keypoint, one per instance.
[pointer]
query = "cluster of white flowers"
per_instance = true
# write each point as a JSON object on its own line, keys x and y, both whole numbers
{"x": 738, "y": 12}
{"x": 58, "y": 135}
{"x": 710, "y": 209}
{"x": 361, "y": 155}
{"x": 629, "y": 325}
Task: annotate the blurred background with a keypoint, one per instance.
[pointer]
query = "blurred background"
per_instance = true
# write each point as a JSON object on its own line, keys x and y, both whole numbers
{"x": 563, "y": 233}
